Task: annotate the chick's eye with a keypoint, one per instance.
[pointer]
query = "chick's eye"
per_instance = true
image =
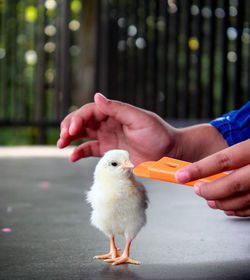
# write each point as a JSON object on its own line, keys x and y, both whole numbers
{"x": 114, "y": 163}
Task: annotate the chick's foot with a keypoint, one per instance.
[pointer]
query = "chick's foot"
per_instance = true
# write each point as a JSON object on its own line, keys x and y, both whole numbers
{"x": 121, "y": 260}
{"x": 111, "y": 255}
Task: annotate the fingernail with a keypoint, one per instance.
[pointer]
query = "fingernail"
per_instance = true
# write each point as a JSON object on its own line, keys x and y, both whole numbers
{"x": 229, "y": 213}
{"x": 103, "y": 98}
{"x": 182, "y": 177}
{"x": 211, "y": 204}
{"x": 197, "y": 189}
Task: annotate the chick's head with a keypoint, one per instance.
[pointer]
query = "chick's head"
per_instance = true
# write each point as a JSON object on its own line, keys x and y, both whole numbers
{"x": 114, "y": 163}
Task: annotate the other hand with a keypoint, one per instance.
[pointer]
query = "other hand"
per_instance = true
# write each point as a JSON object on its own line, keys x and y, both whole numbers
{"x": 230, "y": 193}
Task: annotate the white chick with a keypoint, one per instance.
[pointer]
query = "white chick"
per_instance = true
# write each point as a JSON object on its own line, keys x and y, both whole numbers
{"x": 118, "y": 202}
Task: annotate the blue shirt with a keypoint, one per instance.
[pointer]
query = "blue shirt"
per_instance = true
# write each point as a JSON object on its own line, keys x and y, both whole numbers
{"x": 234, "y": 126}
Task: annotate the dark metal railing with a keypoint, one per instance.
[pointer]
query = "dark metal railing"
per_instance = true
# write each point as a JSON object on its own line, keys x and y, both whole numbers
{"x": 181, "y": 59}
{"x": 28, "y": 54}
{"x": 34, "y": 63}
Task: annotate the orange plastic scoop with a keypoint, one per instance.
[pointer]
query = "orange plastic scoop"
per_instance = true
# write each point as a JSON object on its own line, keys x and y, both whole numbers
{"x": 165, "y": 169}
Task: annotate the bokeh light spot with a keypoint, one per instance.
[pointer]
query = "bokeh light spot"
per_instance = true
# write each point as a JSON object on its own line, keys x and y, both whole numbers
{"x": 233, "y": 11}
{"x": 74, "y": 25}
{"x": 220, "y": 13}
{"x": 50, "y": 47}
{"x": 121, "y": 22}
{"x": 232, "y": 33}
{"x": 76, "y": 6}
{"x": 31, "y": 14}
{"x": 50, "y": 30}
{"x": 140, "y": 43}
{"x": 194, "y": 10}
{"x": 193, "y": 44}
{"x": 30, "y": 57}
{"x": 232, "y": 56}
{"x": 206, "y": 12}
{"x": 132, "y": 30}
{"x": 50, "y": 4}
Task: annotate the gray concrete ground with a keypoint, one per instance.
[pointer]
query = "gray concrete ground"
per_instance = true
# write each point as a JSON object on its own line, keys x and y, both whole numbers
{"x": 42, "y": 202}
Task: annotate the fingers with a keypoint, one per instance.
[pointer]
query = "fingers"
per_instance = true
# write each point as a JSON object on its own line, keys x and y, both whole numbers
{"x": 239, "y": 213}
{"x": 231, "y": 204}
{"x": 64, "y": 142}
{"x": 86, "y": 133}
{"x": 74, "y": 122}
{"x": 230, "y": 193}
{"x": 235, "y": 183}
{"x": 81, "y": 123}
{"x": 92, "y": 114}
{"x": 230, "y": 158}
{"x": 88, "y": 149}
{"x": 126, "y": 114}
{"x": 76, "y": 125}
{"x": 243, "y": 212}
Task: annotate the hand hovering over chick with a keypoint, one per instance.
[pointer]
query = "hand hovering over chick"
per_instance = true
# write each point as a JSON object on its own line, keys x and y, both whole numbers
{"x": 115, "y": 125}
{"x": 110, "y": 124}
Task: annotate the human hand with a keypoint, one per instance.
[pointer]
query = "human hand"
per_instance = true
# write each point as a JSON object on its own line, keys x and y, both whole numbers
{"x": 110, "y": 124}
{"x": 230, "y": 193}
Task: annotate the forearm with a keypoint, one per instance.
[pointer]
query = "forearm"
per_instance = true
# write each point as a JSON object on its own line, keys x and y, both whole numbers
{"x": 199, "y": 141}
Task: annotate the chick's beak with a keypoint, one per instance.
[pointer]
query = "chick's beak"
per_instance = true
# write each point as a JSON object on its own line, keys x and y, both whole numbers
{"x": 128, "y": 165}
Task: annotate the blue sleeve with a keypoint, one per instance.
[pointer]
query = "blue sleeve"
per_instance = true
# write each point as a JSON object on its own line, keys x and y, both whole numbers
{"x": 234, "y": 126}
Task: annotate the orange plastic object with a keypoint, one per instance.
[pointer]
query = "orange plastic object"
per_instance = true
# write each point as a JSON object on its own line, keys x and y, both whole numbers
{"x": 165, "y": 169}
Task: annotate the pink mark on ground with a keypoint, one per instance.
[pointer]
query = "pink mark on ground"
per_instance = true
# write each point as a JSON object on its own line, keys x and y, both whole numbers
{"x": 44, "y": 184}
{"x": 6, "y": 229}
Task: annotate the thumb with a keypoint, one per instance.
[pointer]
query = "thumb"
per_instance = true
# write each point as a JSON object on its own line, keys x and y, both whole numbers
{"x": 125, "y": 113}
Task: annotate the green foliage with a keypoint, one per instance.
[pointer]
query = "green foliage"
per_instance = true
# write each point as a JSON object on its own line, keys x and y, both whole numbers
{"x": 10, "y": 136}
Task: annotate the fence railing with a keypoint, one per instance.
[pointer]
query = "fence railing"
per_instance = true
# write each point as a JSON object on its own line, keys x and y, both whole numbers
{"x": 178, "y": 58}
{"x": 181, "y": 59}
{"x": 34, "y": 62}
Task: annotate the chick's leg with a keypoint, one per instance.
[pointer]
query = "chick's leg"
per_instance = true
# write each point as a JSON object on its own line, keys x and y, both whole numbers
{"x": 113, "y": 253}
{"x": 124, "y": 258}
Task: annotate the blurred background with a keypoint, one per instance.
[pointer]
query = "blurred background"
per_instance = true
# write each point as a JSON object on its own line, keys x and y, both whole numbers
{"x": 183, "y": 59}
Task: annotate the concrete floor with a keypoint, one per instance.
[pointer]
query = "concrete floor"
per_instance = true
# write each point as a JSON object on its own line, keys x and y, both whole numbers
{"x": 42, "y": 202}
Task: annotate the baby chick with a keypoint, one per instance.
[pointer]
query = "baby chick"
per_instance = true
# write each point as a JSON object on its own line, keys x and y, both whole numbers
{"x": 118, "y": 202}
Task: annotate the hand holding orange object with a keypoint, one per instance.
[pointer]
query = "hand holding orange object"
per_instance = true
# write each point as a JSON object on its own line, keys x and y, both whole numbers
{"x": 230, "y": 193}
{"x": 165, "y": 170}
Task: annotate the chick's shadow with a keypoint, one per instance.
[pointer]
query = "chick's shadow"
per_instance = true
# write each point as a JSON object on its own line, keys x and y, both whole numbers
{"x": 122, "y": 271}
